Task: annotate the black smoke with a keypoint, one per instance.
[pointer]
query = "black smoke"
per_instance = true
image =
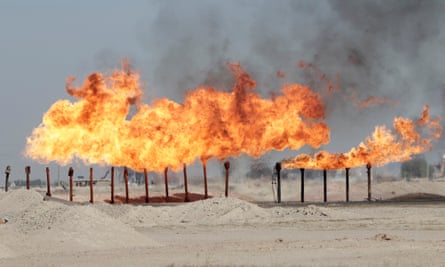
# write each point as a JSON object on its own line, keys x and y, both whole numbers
{"x": 386, "y": 48}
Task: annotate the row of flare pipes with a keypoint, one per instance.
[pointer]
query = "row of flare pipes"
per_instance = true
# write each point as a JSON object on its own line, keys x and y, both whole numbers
{"x": 110, "y": 125}
{"x": 147, "y": 199}
{"x": 278, "y": 167}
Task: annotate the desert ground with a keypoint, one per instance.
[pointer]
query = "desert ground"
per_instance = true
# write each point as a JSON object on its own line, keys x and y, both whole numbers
{"x": 245, "y": 229}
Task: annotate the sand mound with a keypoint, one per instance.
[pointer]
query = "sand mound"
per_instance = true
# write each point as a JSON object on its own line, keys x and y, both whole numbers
{"x": 221, "y": 211}
{"x": 136, "y": 216}
{"x": 15, "y": 202}
{"x": 213, "y": 211}
{"x": 204, "y": 212}
{"x": 83, "y": 227}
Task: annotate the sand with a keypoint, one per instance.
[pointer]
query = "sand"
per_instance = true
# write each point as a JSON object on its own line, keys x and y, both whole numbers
{"x": 223, "y": 231}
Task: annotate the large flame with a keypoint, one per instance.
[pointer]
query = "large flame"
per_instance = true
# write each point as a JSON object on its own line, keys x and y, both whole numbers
{"x": 209, "y": 123}
{"x": 382, "y": 147}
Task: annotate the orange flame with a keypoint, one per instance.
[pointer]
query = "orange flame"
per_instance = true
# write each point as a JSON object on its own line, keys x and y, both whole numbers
{"x": 209, "y": 123}
{"x": 382, "y": 147}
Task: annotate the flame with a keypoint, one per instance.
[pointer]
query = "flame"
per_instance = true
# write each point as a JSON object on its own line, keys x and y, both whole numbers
{"x": 371, "y": 101}
{"x": 98, "y": 128}
{"x": 382, "y": 147}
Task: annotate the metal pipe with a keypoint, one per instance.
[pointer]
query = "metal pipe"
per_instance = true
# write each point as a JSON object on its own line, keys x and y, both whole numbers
{"x": 204, "y": 169}
{"x": 112, "y": 185}
{"x": 126, "y": 184}
{"x": 91, "y": 186}
{"x": 325, "y": 185}
{"x": 70, "y": 175}
{"x": 368, "y": 167}
{"x": 302, "y": 184}
{"x": 347, "y": 184}
{"x": 227, "y": 166}
{"x": 147, "y": 199}
{"x": 186, "y": 197}
{"x": 7, "y": 172}
{"x": 48, "y": 182}
{"x": 28, "y": 172}
{"x": 166, "y": 183}
{"x": 278, "y": 171}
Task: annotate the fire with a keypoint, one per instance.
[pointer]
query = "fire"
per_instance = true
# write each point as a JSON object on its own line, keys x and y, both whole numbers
{"x": 101, "y": 127}
{"x": 382, "y": 147}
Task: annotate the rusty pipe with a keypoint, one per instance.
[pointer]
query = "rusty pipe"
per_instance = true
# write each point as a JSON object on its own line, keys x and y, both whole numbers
{"x": 48, "y": 182}
{"x": 28, "y": 172}
{"x": 70, "y": 175}
{"x": 368, "y": 167}
{"x": 302, "y": 184}
{"x": 186, "y": 197}
{"x": 204, "y": 169}
{"x": 166, "y": 183}
{"x": 126, "y": 184}
{"x": 91, "y": 186}
{"x": 112, "y": 185}
{"x": 278, "y": 171}
{"x": 227, "y": 166}
{"x": 147, "y": 199}
{"x": 325, "y": 185}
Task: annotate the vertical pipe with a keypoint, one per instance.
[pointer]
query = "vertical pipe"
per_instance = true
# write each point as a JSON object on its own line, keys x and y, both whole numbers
{"x": 146, "y": 186}
{"x": 347, "y": 184}
{"x": 204, "y": 169}
{"x": 48, "y": 182}
{"x": 302, "y": 184}
{"x": 126, "y": 184}
{"x": 368, "y": 167}
{"x": 27, "y": 171}
{"x": 91, "y": 186}
{"x": 112, "y": 185}
{"x": 70, "y": 175}
{"x": 186, "y": 199}
{"x": 166, "y": 183}
{"x": 325, "y": 185}
{"x": 278, "y": 171}
{"x": 227, "y": 166}
{"x": 7, "y": 172}
{"x": 6, "y": 181}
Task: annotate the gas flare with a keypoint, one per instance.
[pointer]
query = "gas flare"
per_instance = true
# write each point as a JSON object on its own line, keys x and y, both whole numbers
{"x": 98, "y": 128}
{"x": 382, "y": 147}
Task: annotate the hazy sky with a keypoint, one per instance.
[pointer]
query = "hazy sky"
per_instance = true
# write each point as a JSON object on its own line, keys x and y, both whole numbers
{"x": 390, "y": 49}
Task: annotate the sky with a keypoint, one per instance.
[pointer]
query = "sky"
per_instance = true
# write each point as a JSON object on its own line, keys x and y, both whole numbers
{"x": 389, "y": 49}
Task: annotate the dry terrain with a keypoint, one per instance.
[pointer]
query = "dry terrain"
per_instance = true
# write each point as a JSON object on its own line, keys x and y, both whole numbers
{"x": 237, "y": 231}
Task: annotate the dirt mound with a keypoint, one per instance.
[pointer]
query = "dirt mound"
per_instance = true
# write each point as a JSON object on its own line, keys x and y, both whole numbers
{"x": 222, "y": 211}
{"x": 213, "y": 211}
{"x": 16, "y": 202}
{"x": 83, "y": 227}
{"x": 137, "y": 216}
